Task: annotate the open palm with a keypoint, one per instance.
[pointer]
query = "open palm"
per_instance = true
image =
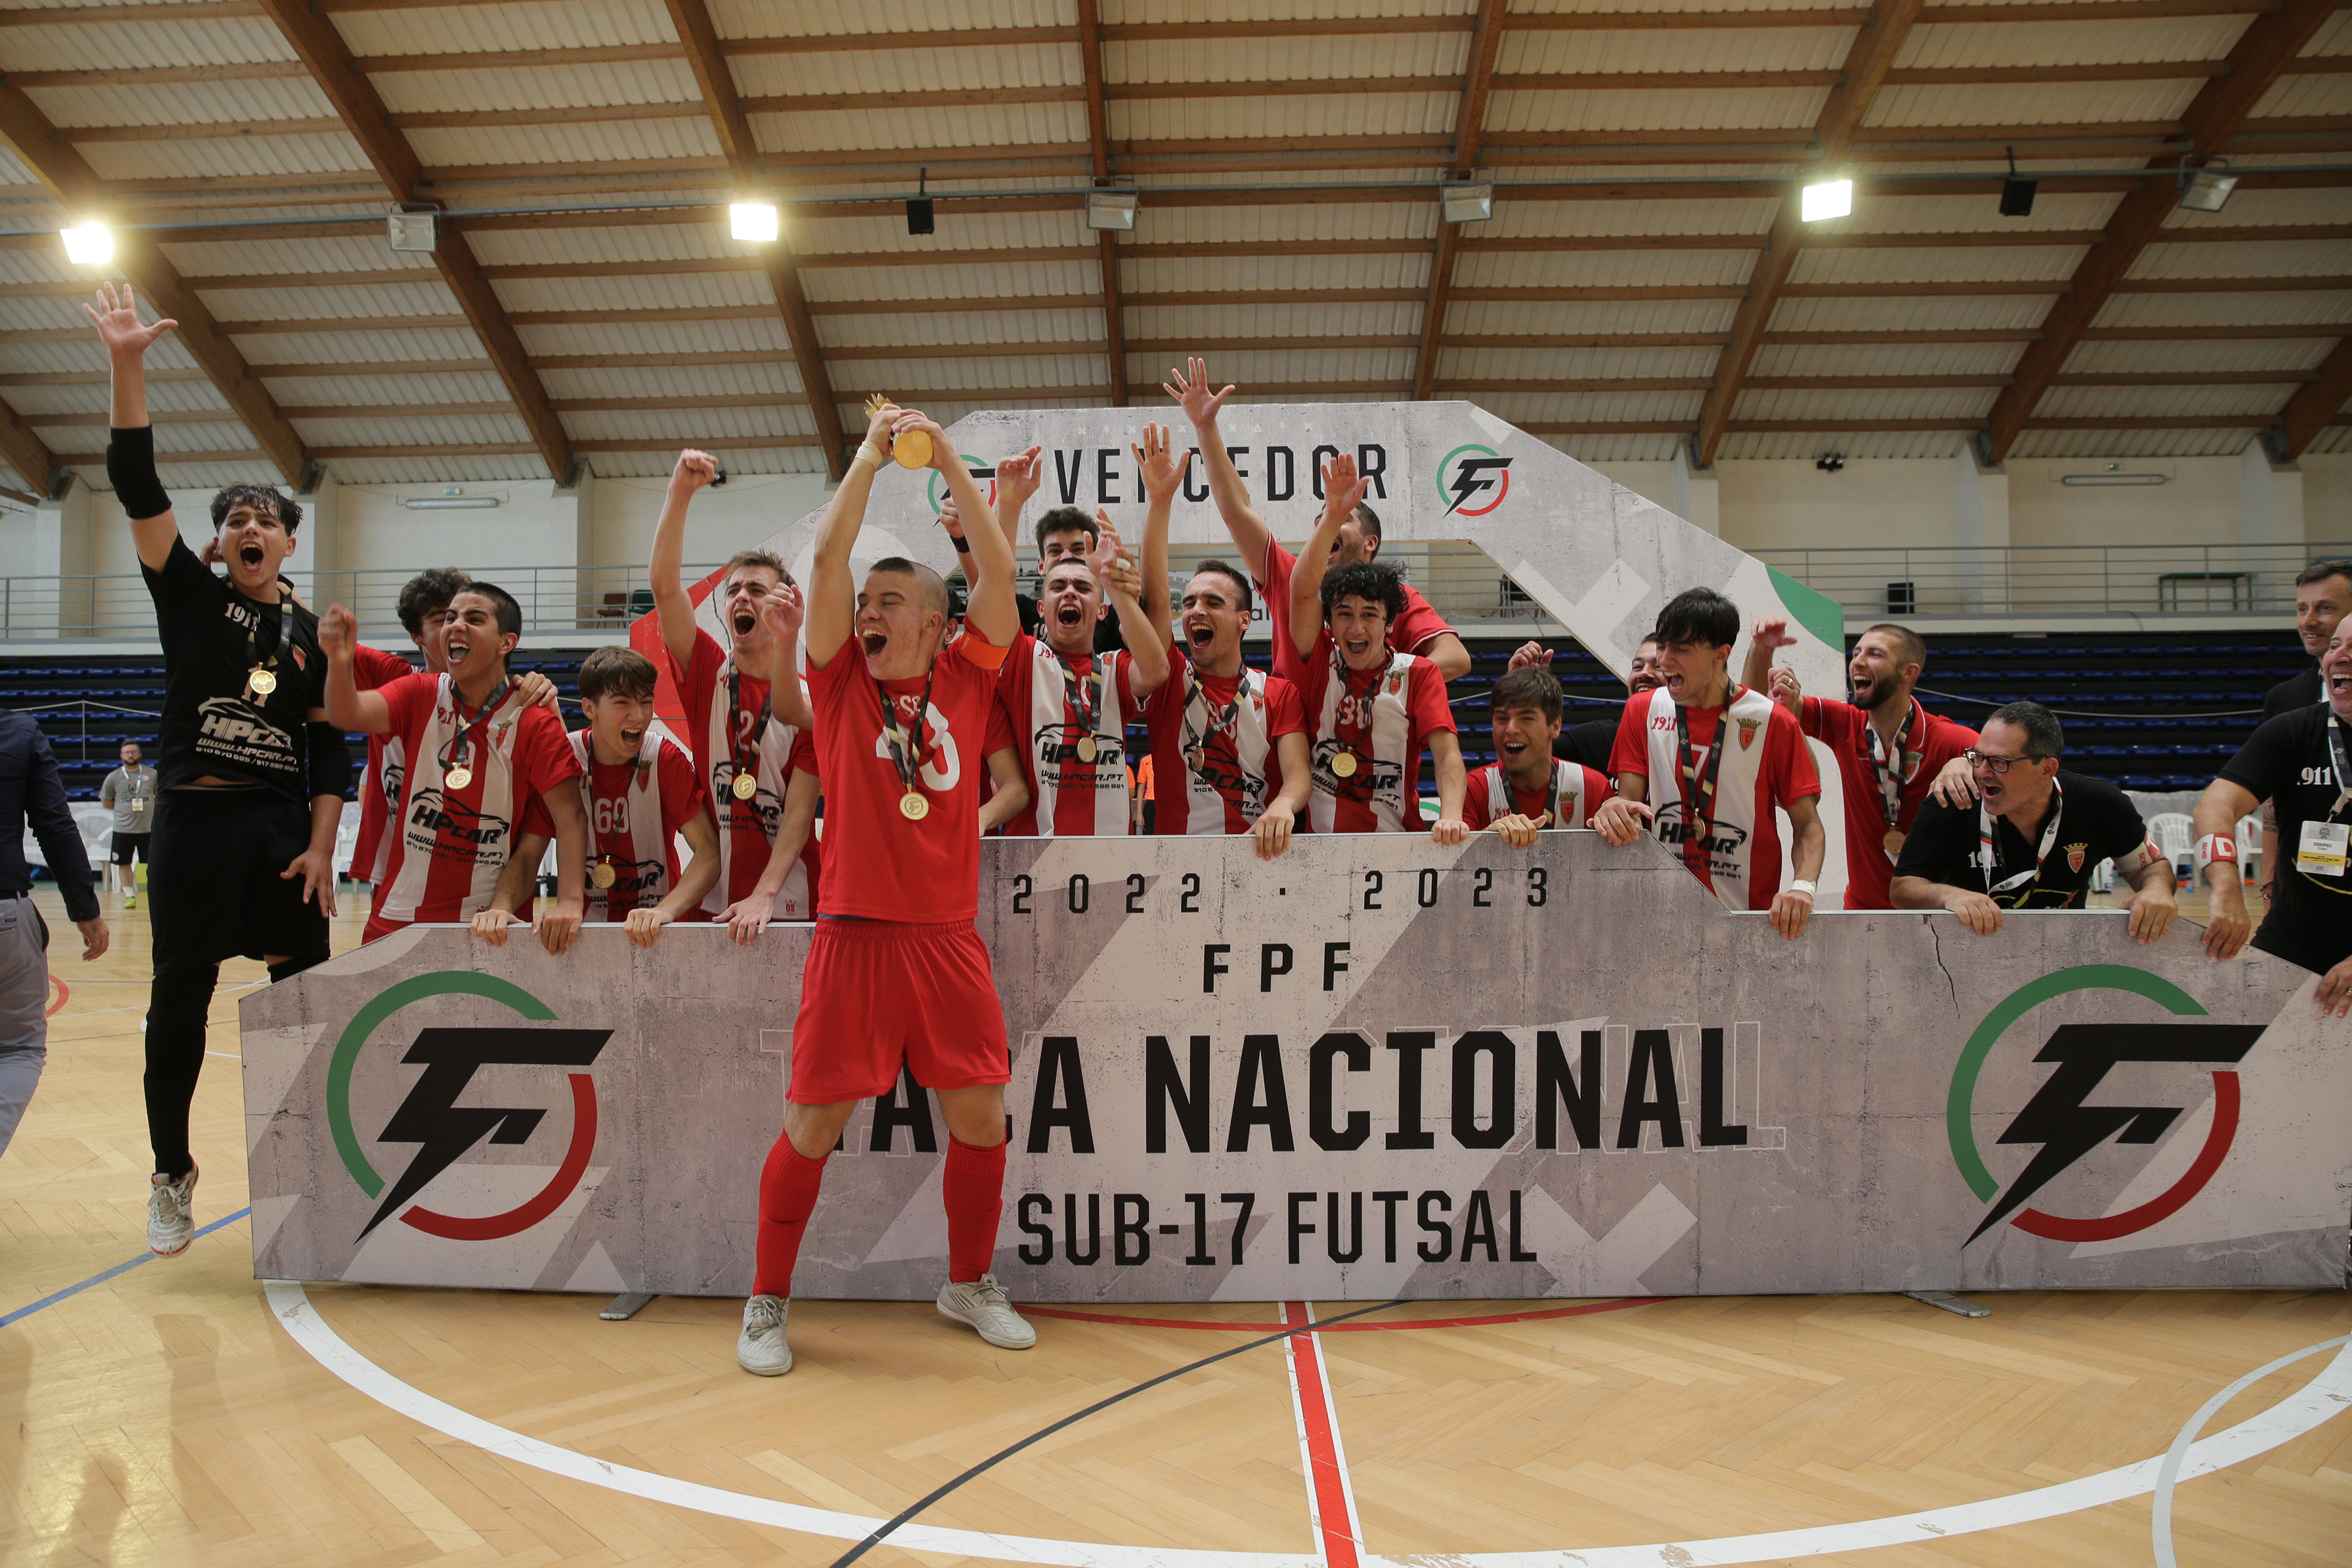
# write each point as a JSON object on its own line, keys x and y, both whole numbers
{"x": 116, "y": 316}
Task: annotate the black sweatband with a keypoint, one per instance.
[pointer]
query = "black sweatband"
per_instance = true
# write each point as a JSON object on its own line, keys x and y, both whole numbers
{"x": 131, "y": 468}
{"x": 330, "y": 760}
{"x": 961, "y": 548}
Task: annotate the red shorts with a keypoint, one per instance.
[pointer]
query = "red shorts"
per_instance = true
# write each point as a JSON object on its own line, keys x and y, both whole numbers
{"x": 877, "y": 993}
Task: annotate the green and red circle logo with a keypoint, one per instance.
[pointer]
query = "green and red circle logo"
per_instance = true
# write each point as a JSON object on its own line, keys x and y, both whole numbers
{"x": 2059, "y": 1120}
{"x": 444, "y": 1130}
{"x": 983, "y": 474}
{"x": 1473, "y": 474}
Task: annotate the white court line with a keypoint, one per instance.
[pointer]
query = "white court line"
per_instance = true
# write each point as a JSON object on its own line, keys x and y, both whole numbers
{"x": 2326, "y": 1396}
{"x": 2160, "y": 1518}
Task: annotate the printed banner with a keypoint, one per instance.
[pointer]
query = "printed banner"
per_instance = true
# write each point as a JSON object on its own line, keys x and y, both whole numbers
{"x": 1373, "y": 1067}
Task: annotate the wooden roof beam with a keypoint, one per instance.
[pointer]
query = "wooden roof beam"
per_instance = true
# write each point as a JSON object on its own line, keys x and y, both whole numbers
{"x": 2316, "y": 406}
{"x": 2262, "y": 52}
{"x": 1469, "y": 132}
{"x": 1090, "y": 64}
{"x": 1868, "y": 59}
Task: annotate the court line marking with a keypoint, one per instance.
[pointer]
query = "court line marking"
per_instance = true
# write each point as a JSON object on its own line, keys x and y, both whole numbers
{"x": 1616, "y": 1305}
{"x": 2327, "y": 1395}
{"x": 65, "y": 994}
{"x": 2161, "y": 1516}
{"x": 101, "y": 1278}
{"x": 1330, "y": 1497}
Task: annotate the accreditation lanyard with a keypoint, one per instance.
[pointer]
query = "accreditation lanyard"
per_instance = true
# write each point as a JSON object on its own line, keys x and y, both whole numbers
{"x": 906, "y": 749}
{"x": 746, "y": 766}
{"x": 1888, "y": 769}
{"x": 1698, "y": 784}
{"x": 467, "y": 728}
{"x": 261, "y": 674}
{"x": 1196, "y": 741}
{"x": 1986, "y": 854}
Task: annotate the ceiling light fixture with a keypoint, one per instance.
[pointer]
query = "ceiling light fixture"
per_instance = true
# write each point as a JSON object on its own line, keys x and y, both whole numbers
{"x": 448, "y": 503}
{"x": 1112, "y": 209}
{"x": 758, "y": 221}
{"x": 1470, "y": 200}
{"x": 1829, "y": 199}
{"x": 88, "y": 244}
{"x": 410, "y": 226}
{"x": 2208, "y": 189}
{"x": 2016, "y": 195}
{"x": 919, "y": 206}
{"x": 2079, "y": 480}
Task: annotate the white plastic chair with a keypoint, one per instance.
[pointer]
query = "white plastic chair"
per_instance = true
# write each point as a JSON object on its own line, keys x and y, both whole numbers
{"x": 2250, "y": 846}
{"x": 2175, "y": 834}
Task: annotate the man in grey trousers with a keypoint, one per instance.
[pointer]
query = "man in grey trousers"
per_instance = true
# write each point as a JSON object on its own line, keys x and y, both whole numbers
{"x": 30, "y": 788}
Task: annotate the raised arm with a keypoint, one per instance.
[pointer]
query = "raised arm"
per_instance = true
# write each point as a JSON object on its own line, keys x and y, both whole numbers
{"x": 1162, "y": 472}
{"x": 1191, "y": 388}
{"x": 126, "y": 338}
{"x": 1766, "y": 634}
{"x": 1342, "y": 491}
{"x": 1146, "y": 643}
{"x": 347, "y": 706}
{"x": 784, "y": 610}
{"x": 663, "y": 573}
{"x": 990, "y": 610}
{"x": 832, "y": 597}
{"x": 1017, "y": 479}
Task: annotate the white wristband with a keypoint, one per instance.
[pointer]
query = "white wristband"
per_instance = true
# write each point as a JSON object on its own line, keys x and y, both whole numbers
{"x": 870, "y": 455}
{"x": 1801, "y": 886}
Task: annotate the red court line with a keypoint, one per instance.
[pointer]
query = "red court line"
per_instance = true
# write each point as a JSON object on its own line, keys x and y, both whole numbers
{"x": 1529, "y": 1317}
{"x": 65, "y": 994}
{"x": 1324, "y": 1477}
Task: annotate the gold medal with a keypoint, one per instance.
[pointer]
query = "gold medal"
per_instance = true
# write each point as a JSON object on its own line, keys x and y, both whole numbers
{"x": 911, "y": 450}
{"x": 457, "y": 778}
{"x": 604, "y": 875}
{"x": 261, "y": 681}
{"x": 1087, "y": 748}
{"x": 1344, "y": 764}
{"x": 913, "y": 806}
{"x": 745, "y": 786}
{"x": 1194, "y": 758}
{"x": 1894, "y": 844}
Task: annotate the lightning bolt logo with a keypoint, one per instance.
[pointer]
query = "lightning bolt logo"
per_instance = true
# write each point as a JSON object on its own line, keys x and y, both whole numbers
{"x": 445, "y": 1131}
{"x": 2066, "y": 1127}
{"x": 1475, "y": 470}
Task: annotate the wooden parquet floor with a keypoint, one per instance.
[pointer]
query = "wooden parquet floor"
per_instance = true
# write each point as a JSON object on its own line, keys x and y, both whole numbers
{"x": 164, "y": 1416}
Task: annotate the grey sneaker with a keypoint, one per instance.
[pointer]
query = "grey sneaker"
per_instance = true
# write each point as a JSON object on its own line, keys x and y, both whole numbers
{"x": 760, "y": 1349}
{"x": 980, "y": 1303}
{"x": 170, "y": 1218}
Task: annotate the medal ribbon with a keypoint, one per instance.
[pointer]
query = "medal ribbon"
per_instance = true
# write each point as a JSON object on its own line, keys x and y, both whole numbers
{"x": 906, "y": 751}
{"x": 2032, "y": 874}
{"x": 1084, "y": 694}
{"x": 2337, "y": 755}
{"x": 1219, "y": 723}
{"x": 1348, "y": 690}
{"x": 468, "y": 728}
{"x": 1698, "y": 793}
{"x": 1888, "y": 770}
{"x": 735, "y": 721}
{"x": 253, "y": 659}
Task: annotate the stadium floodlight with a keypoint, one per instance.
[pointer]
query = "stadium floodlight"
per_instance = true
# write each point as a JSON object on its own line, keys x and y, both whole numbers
{"x": 418, "y": 229}
{"x": 1466, "y": 201}
{"x": 2206, "y": 190}
{"x": 1112, "y": 209}
{"x": 88, "y": 244}
{"x": 757, "y": 221}
{"x": 1829, "y": 199}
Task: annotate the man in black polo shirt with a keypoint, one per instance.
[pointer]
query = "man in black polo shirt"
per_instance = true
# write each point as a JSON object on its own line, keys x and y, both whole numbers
{"x": 250, "y": 775}
{"x": 2302, "y": 761}
{"x": 2323, "y": 595}
{"x": 2032, "y": 837}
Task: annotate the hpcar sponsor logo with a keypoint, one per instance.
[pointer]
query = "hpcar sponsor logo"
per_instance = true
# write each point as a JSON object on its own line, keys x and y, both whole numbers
{"x": 442, "y": 817}
{"x": 238, "y": 725}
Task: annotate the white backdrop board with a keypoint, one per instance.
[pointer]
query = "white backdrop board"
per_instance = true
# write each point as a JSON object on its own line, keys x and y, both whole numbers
{"x": 1375, "y": 1067}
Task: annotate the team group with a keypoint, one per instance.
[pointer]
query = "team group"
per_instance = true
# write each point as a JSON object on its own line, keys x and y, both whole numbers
{"x": 940, "y": 726}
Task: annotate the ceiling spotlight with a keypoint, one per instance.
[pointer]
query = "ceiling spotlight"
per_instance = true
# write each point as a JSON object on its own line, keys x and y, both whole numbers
{"x": 2206, "y": 190}
{"x": 1111, "y": 209}
{"x": 918, "y": 209}
{"x": 759, "y": 222}
{"x": 1830, "y": 462}
{"x": 89, "y": 244}
{"x": 1831, "y": 198}
{"x": 1466, "y": 201}
{"x": 2016, "y": 195}
{"x": 413, "y": 228}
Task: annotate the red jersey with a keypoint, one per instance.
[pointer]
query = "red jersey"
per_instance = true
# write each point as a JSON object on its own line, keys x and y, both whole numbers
{"x": 1735, "y": 848}
{"x": 1928, "y": 742}
{"x": 635, "y": 811}
{"x": 453, "y": 839}
{"x": 1377, "y": 720}
{"x": 1069, "y": 718}
{"x": 380, "y": 789}
{"x": 1409, "y": 633}
{"x": 1232, "y": 724}
{"x": 923, "y": 870}
{"x": 728, "y": 725}
{"x": 1571, "y": 795}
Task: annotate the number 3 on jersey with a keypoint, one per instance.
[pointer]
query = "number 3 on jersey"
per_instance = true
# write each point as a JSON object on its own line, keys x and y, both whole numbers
{"x": 942, "y": 765}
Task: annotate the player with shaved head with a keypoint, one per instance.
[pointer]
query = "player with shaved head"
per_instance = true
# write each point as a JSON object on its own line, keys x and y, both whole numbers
{"x": 897, "y": 974}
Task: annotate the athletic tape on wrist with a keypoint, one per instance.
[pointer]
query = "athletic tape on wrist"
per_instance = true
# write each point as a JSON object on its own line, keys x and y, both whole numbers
{"x": 870, "y": 455}
{"x": 131, "y": 468}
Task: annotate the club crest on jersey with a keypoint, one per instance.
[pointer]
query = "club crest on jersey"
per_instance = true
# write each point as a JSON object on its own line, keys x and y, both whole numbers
{"x": 499, "y": 732}
{"x": 1396, "y": 681}
{"x": 301, "y": 659}
{"x": 2074, "y": 853}
{"x": 1748, "y": 728}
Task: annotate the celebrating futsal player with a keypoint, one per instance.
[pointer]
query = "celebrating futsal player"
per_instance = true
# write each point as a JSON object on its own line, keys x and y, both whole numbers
{"x": 250, "y": 774}
{"x": 759, "y": 775}
{"x": 896, "y": 972}
{"x": 479, "y": 753}
{"x": 1417, "y": 629}
{"x": 1526, "y": 788}
{"x": 1591, "y": 741}
{"x": 1890, "y": 749}
{"x": 1706, "y": 761}
{"x": 1371, "y": 709}
{"x": 424, "y": 608}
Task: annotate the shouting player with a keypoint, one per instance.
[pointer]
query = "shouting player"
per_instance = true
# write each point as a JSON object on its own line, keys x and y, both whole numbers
{"x": 1526, "y": 788}
{"x": 749, "y": 728}
{"x": 1372, "y": 709}
{"x": 896, "y": 972}
{"x": 1708, "y": 761}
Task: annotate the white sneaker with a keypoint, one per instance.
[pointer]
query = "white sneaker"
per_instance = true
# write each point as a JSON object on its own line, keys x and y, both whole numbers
{"x": 980, "y": 1303}
{"x": 760, "y": 1349}
{"x": 170, "y": 1218}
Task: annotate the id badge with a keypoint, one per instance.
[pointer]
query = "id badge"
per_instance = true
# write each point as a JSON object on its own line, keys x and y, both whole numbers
{"x": 2322, "y": 851}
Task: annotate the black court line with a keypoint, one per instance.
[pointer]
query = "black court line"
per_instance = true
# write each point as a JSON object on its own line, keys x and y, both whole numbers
{"x": 920, "y": 1504}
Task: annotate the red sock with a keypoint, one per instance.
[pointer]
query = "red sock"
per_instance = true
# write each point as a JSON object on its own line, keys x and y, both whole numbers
{"x": 788, "y": 1185}
{"x": 973, "y": 1187}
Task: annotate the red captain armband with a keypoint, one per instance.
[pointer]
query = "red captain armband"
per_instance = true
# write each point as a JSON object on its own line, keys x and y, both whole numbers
{"x": 2216, "y": 847}
{"x": 979, "y": 651}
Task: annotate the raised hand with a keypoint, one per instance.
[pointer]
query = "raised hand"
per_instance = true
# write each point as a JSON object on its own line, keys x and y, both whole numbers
{"x": 1787, "y": 691}
{"x": 116, "y": 317}
{"x": 782, "y": 610}
{"x": 943, "y": 452}
{"x": 1342, "y": 489}
{"x": 1190, "y": 389}
{"x": 1772, "y": 631}
{"x": 1529, "y": 654}
{"x": 338, "y": 633}
{"x": 694, "y": 470}
{"x": 1018, "y": 478}
{"x": 881, "y": 424}
{"x": 1162, "y": 470}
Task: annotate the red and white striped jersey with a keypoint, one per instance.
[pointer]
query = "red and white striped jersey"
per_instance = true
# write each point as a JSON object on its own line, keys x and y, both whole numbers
{"x": 634, "y": 812}
{"x": 723, "y": 725}
{"x": 1232, "y": 724}
{"x": 1765, "y": 764}
{"x": 1072, "y": 794}
{"x": 1574, "y": 793}
{"x": 450, "y": 843}
{"x": 1376, "y": 721}
{"x": 373, "y": 667}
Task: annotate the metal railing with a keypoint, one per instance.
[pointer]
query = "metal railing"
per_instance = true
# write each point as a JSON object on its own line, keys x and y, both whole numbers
{"x": 1869, "y": 581}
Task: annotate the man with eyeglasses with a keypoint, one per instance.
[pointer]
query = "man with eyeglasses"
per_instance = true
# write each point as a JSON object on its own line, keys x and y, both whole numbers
{"x": 2032, "y": 837}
